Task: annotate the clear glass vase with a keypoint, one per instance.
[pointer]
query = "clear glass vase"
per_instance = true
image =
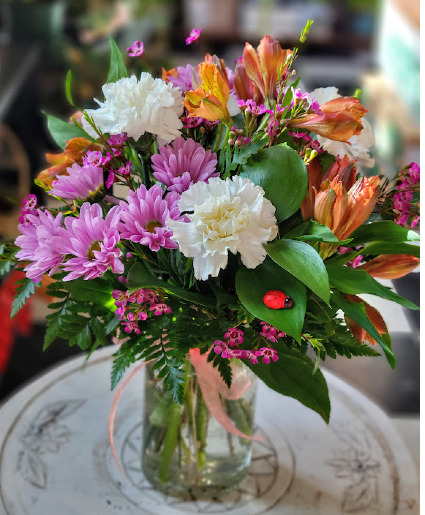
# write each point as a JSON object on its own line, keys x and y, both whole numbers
{"x": 185, "y": 451}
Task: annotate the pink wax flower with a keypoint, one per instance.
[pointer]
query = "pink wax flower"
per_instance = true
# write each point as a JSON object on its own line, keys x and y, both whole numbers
{"x": 92, "y": 241}
{"x": 110, "y": 179}
{"x": 190, "y": 123}
{"x": 131, "y": 326}
{"x": 38, "y": 243}
{"x": 234, "y": 336}
{"x": 29, "y": 203}
{"x": 181, "y": 164}
{"x": 270, "y": 332}
{"x": 268, "y": 353}
{"x": 193, "y": 36}
{"x": 81, "y": 183}
{"x": 125, "y": 170}
{"x": 136, "y": 49}
{"x": 221, "y": 348}
{"x": 150, "y": 296}
{"x": 93, "y": 158}
{"x": 117, "y": 140}
{"x": 122, "y": 297}
{"x": 160, "y": 309}
{"x": 144, "y": 217}
{"x": 246, "y": 354}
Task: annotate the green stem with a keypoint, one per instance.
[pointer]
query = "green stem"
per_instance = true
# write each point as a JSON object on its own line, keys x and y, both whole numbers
{"x": 218, "y": 137}
{"x": 200, "y": 418}
{"x": 170, "y": 442}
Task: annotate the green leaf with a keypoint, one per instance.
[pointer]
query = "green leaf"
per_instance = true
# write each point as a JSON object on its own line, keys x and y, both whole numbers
{"x": 251, "y": 285}
{"x": 98, "y": 291}
{"x": 117, "y": 68}
{"x": 355, "y": 281}
{"x": 313, "y": 231}
{"x": 83, "y": 338}
{"x": 382, "y": 247}
{"x": 68, "y": 88}
{"x": 386, "y": 230}
{"x": 140, "y": 277}
{"x": 292, "y": 375}
{"x": 24, "y": 290}
{"x": 280, "y": 171}
{"x": 63, "y": 131}
{"x": 98, "y": 330}
{"x": 303, "y": 262}
{"x": 54, "y": 324}
{"x": 241, "y": 155}
{"x": 357, "y": 312}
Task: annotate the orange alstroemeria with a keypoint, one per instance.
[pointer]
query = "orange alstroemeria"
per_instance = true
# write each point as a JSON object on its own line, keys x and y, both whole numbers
{"x": 314, "y": 171}
{"x": 342, "y": 170}
{"x": 266, "y": 65}
{"x": 166, "y": 74}
{"x": 341, "y": 119}
{"x": 374, "y": 316}
{"x": 210, "y": 99}
{"x": 362, "y": 197}
{"x": 330, "y": 205}
{"x": 74, "y": 152}
{"x": 244, "y": 86}
{"x": 390, "y": 266}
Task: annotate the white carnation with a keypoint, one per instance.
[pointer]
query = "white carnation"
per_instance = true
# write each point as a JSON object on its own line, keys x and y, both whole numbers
{"x": 138, "y": 106}
{"x": 358, "y": 147}
{"x": 225, "y": 216}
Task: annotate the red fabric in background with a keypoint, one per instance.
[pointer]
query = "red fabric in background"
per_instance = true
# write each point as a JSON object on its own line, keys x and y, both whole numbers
{"x": 21, "y": 323}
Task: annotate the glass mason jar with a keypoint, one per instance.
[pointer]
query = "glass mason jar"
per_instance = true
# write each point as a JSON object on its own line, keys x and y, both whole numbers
{"x": 185, "y": 450}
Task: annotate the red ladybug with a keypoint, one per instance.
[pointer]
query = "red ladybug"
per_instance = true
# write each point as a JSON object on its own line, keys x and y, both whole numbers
{"x": 276, "y": 299}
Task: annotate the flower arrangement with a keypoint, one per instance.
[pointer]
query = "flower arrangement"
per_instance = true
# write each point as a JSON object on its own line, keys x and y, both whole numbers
{"x": 243, "y": 232}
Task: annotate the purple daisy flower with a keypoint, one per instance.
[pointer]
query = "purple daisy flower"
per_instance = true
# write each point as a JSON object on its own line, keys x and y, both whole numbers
{"x": 81, "y": 183}
{"x": 144, "y": 217}
{"x": 37, "y": 241}
{"x": 92, "y": 240}
{"x": 183, "y": 163}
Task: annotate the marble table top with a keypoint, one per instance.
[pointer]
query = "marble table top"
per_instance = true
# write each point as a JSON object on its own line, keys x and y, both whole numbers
{"x": 55, "y": 456}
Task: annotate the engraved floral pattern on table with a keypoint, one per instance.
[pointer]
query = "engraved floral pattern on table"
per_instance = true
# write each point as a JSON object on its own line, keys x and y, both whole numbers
{"x": 358, "y": 464}
{"x": 45, "y": 434}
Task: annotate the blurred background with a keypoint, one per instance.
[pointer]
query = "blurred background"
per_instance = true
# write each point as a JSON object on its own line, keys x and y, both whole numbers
{"x": 367, "y": 44}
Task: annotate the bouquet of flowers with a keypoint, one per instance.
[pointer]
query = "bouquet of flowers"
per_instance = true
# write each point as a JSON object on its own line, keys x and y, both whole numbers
{"x": 213, "y": 217}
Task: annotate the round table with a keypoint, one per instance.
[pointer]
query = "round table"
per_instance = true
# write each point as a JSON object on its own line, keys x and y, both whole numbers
{"x": 55, "y": 455}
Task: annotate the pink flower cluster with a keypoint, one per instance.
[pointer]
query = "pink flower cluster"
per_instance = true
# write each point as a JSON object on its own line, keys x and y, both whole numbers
{"x": 146, "y": 301}
{"x": 252, "y": 107}
{"x": 230, "y": 349}
{"x": 29, "y": 205}
{"x": 404, "y": 197}
{"x": 270, "y": 332}
{"x": 353, "y": 263}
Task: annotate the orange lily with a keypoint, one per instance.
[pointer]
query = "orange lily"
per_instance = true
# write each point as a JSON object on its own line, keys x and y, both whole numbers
{"x": 390, "y": 266}
{"x": 340, "y": 119}
{"x": 74, "y": 152}
{"x": 264, "y": 66}
{"x": 314, "y": 171}
{"x": 244, "y": 87}
{"x": 374, "y": 316}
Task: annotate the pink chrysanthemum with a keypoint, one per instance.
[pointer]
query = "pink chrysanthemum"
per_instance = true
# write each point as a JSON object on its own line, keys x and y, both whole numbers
{"x": 144, "y": 217}
{"x": 81, "y": 183}
{"x": 92, "y": 240}
{"x": 38, "y": 243}
{"x": 136, "y": 49}
{"x": 183, "y": 163}
{"x": 193, "y": 36}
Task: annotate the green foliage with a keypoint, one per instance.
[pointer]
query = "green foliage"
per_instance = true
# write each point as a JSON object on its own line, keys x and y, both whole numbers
{"x": 385, "y": 230}
{"x": 55, "y": 320}
{"x": 117, "y": 69}
{"x": 222, "y": 365}
{"x": 251, "y": 286}
{"x": 280, "y": 171}
{"x": 303, "y": 262}
{"x": 25, "y": 288}
{"x": 314, "y": 232}
{"x": 292, "y": 375}
{"x": 7, "y": 257}
{"x": 68, "y": 92}
{"x": 357, "y": 312}
{"x": 63, "y": 131}
{"x": 355, "y": 281}
{"x": 230, "y": 160}
{"x": 140, "y": 277}
{"x": 382, "y": 247}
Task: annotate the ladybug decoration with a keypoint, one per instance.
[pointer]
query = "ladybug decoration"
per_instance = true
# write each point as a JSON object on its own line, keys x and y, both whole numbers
{"x": 276, "y": 299}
